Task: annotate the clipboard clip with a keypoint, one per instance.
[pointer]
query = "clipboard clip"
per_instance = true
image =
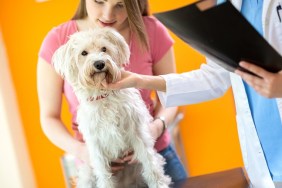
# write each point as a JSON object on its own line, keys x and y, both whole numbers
{"x": 278, "y": 8}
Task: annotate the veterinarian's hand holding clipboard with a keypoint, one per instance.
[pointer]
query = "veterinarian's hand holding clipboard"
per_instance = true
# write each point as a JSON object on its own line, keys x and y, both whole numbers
{"x": 221, "y": 33}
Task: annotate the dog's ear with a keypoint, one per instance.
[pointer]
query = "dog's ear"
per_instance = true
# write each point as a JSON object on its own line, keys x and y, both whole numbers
{"x": 123, "y": 49}
{"x": 64, "y": 60}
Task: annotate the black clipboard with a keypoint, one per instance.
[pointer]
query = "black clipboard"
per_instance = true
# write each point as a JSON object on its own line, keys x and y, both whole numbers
{"x": 222, "y": 34}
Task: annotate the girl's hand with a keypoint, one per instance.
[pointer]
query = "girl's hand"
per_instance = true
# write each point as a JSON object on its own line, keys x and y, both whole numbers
{"x": 128, "y": 157}
{"x": 117, "y": 165}
{"x": 120, "y": 163}
{"x": 156, "y": 128}
{"x": 83, "y": 155}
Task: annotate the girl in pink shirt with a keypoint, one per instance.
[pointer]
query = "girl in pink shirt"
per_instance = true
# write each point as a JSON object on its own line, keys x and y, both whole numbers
{"x": 151, "y": 54}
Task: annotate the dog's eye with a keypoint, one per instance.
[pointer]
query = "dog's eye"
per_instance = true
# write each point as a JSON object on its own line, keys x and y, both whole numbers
{"x": 103, "y": 49}
{"x": 84, "y": 53}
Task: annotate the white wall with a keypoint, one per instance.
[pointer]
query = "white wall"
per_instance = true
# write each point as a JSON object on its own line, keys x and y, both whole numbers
{"x": 15, "y": 166}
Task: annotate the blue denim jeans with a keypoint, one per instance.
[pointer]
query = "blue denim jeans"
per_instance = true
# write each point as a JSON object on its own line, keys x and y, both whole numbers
{"x": 173, "y": 167}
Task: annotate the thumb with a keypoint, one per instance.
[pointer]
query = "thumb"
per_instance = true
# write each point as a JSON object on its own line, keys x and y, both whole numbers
{"x": 104, "y": 83}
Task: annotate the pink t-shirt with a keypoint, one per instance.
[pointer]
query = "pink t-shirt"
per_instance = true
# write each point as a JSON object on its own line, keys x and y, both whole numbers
{"x": 159, "y": 41}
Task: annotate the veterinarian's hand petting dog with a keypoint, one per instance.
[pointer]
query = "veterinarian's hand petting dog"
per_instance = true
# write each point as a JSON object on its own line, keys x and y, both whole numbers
{"x": 125, "y": 79}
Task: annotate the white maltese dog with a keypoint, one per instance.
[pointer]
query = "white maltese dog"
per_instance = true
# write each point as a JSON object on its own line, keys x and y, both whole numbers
{"x": 112, "y": 122}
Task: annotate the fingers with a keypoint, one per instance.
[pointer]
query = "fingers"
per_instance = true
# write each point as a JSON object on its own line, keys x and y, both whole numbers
{"x": 116, "y": 167}
{"x": 104, "y": 83}
{"x": 252, "y": 80}
{"x": 115, "y": 86}
{"x": 129, "y": 157}
{"x": 257, "y": 82}
{"x": 133, "y": 161}
{"x": 119, "y": 164}
{"x": 267, "y": 85}
{"x": 119, "y": 160}
{"x": 254, "y": 69}
{"x": 120, "y": 83}
{"x": 263, "y": 78}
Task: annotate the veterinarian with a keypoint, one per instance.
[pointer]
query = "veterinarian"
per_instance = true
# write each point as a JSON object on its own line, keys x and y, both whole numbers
{"x": 258, "y": 100}
{"x": 151, "y": 54}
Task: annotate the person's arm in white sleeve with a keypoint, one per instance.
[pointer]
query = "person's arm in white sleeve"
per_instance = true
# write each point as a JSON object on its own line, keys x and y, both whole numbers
{"x": 209, "y": 82}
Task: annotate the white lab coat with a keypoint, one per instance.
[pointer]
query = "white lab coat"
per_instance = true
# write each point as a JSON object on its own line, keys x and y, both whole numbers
{"x": 212, "y": 81}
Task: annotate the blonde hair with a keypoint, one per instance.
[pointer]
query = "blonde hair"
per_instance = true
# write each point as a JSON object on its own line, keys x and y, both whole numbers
{"x": 135, "y": 10}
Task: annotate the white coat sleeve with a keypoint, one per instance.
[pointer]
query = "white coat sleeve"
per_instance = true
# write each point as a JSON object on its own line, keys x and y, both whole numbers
{"x": 209, "y": 82}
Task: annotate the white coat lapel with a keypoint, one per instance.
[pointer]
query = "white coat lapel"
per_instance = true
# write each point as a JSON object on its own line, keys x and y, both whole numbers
{"x": 237, "y": 4}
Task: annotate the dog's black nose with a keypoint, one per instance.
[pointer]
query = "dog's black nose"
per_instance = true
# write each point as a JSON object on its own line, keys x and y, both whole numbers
{"x": 100, "y": 64}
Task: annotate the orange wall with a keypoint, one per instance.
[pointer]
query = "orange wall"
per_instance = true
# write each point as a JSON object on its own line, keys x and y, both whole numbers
{"x": 208, "y": 130}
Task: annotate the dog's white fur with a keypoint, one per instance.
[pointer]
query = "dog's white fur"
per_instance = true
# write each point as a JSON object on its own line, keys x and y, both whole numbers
{"x": 111, "y": 122}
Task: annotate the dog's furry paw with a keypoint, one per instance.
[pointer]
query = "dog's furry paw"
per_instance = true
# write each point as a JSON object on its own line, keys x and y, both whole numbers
{"x": 165, "y": 182}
